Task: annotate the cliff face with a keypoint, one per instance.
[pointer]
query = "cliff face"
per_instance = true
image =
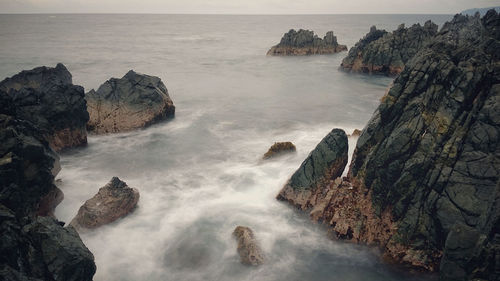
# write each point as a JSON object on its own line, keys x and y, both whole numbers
{"x": 424, "y": 180}
{"x": 47, "y": 97}
{"x": 305, "y": 42}
{"x": 134, "y": 101}
{"x": 387, "y": 53}
{"x": 33, "y": 247}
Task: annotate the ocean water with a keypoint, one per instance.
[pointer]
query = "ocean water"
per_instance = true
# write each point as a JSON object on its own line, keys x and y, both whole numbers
{"x": 200, "y": 175}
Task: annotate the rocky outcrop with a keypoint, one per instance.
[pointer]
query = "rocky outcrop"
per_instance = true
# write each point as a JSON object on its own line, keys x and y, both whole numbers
{"x": 113, "y": 201}
{"x": 33, "y": 247}
{"x": 424, "y": 181}
{"x": 279, "y": 148}
{"x": 248, "y": 248}
{"x": 324, "y": 164}
{"x": 305, "y": 42}
{"x": 134, "y": 101}
{"x": 47, "y": 97}
{"x": 387, "y": 53}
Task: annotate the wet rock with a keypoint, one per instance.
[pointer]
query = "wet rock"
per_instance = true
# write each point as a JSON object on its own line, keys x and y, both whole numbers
{"x": 47, "y": 97}
{"x": 113, "y": 201}
{"x": 248, "y": 248}
{"x": 305, "y": 42}
{"x": 279, "y": 148}
{"x": 33, "y": 247}
{"x": 134, "y": 101}
{"x": 323, "y": 165}
{"x": 387, "y": 53}
{"x": 424, "y": 181}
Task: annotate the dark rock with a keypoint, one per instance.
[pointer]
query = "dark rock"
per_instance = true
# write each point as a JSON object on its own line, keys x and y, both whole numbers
{"x": 279, "y": 148}
{"x": 324, "y": 164}
{"x": 387, "y": 53}
{"x": 248, "y": 248}
{"x": 113, "y": 201}
{"x": 47, "y": 97}
{"x": 305, "y": 42}
{"x": 134, "y": 101}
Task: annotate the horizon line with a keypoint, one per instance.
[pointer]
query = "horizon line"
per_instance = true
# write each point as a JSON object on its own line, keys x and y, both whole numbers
{"x": 214, "y": 14}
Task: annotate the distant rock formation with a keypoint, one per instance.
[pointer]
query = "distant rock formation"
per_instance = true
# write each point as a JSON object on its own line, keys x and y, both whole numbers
{"x": 424, "y": 181}
{"x": 279, "y": 148}
{"x": 387, "y": 53}
{"x": 323, "y": 165}
{"x": 305, "y": 42}
{"x": 481, "y": 11}
{"x": 248, "y": 248}
{"x": 355, "y": 133}
{"x": 47, "y": 97}
{"x": 33, "y": 247}
{"x": 113, "y": 201}
{"x": 134, "y": 101}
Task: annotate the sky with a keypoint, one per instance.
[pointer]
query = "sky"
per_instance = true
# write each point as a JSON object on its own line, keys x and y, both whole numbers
{"x": 245, "y": 7}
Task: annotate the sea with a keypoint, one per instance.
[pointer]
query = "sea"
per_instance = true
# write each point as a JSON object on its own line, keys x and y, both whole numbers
{"x": 201, "y": 174}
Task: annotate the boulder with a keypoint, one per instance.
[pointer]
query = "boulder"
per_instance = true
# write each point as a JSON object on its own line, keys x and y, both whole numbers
{"x": 134, "y": 101}
{"x": 248, "y": 248}
{"x": 47, "y": 97}
{"x": 113, "y": 201}
{"x": 424, "y": 180}
{"x": 323, "y": 165}
{"x": 305, "y": 42}
{"x": 279, "y": 148}
{"x": 355, "y": 133}
{"x": 387, "y": 53}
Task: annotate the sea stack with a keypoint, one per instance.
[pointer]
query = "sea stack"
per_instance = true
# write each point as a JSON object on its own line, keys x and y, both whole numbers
{"x": 131, "y": 102}
{"x": 424, "y": 180}
{"x": 305, "y": 42}
{"x": 380, "y": 52}
{"x": 47, "y": 97}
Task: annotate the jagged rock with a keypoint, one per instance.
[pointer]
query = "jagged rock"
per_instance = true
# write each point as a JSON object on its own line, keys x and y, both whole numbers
{"x": 323, "y": 165}
{"x": 355, "y": 133}
{"x": 387, "y": 53}
{"x": 47, "y": 97}
{"x": 31, "y": 247}
{"x": 305, "y": 42}
{"x": 134, "y": 101}
{"x": 424, "y": 181}
{"x": 248, "y": 248}
{"x": 279, "y": 148}
{"x": 113, "y": 201}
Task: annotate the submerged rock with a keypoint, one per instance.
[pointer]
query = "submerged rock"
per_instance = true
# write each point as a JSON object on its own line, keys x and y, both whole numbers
{"x": 47, "y": 97}
{"x": 279, "y": 148}
{"x": 387, "y": 53}
{"x": 323, "y": 165}
{"x": 305, "y": 42}
{"x": 33, "y": 247}
{"x": 424, "y": 181}
{"x": 113, "y": 201}
{"x": 134, "y": 101}
{"x": 248, "y": 248}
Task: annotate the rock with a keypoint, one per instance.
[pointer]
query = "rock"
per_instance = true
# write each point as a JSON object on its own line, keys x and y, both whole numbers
{"x": 279, "y": 148}
{"x": 324, "y": 164}
{"x": 248, "y": 248}
{"x": 134, "y": 101}
{"x": 47, "y": 97}
{"x": 33, "y": 247}
{"x": 387, "y": 53}
{"x": 305, "y": 42}
{"x": 355, "y": 133}
{"x": 113, "y": 201}
{"x": 424, "y": 181}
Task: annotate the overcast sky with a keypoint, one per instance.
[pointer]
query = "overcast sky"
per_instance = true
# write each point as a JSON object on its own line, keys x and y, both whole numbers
{"x": 244, "y": 7}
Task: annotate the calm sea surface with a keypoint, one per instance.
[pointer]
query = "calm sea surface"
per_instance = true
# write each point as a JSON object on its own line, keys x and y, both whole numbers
{"x": 200, "y": 175}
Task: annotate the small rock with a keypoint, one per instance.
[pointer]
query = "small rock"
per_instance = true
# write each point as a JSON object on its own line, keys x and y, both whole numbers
{"x": 279, "y": 148}
{"x": 248, "y": 248}
{"x": 113, "y": 201}
{"x": 356, "y": 133}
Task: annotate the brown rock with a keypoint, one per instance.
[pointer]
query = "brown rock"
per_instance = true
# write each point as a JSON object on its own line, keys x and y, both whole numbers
{"x": 356, "y": 133}
{"x": 112, "y": 202}
{"x": 279, "y": 148}
{"x": 248, "y": 248}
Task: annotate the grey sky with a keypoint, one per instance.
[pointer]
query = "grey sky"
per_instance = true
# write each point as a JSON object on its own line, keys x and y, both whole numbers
{"x": 244, "y": 7}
